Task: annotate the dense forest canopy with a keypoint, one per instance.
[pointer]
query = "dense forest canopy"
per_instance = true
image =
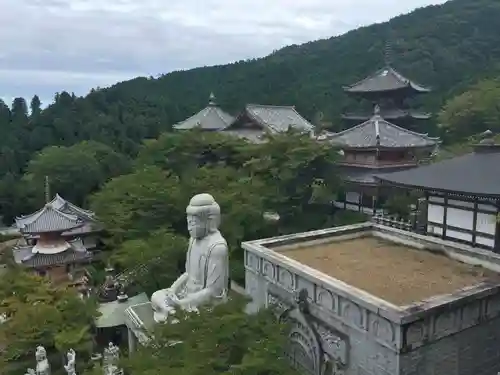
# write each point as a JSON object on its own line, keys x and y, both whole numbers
{"x": 449, "y": 47}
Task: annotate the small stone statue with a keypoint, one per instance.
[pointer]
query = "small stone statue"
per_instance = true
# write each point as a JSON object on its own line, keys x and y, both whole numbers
{"x": 70, "y": 366}
{"x": 207, "y": 263}
{"x": 30, "y": 371}
{"x": 111, "y": 357}
{"x": 42, "y": 363}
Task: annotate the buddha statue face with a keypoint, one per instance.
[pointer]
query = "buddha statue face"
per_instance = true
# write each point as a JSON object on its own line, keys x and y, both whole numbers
{"x": 203, "y": 216}
{"x": 40, "y": 353}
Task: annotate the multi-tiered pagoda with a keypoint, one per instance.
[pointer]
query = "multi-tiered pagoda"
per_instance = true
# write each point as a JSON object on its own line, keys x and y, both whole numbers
{"x": 373, "y": 147}
{"x": 54, "y": 246}
{"x": 382, "y": 141}
{"x": 391, "y": 91}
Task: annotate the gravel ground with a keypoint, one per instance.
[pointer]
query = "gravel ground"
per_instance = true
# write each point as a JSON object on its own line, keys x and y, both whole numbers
{"x": 398, "y": 274}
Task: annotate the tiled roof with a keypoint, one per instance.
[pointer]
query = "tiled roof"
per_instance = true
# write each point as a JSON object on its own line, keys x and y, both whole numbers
{"x": 472, "y": 174}
{"x": 47, "y": 219}
{"x": 278, "y": 118}
{"x": 391, "y": 114}
{"x": 377, "y": 132}
{"x": 74, "y": 254}
{"x": 63, "y": 205}
{"x": 366, "y": 175}
{"x": 112, "y": 314}
{"x": 386, "y": 79}
{"x": 209, "y": 118}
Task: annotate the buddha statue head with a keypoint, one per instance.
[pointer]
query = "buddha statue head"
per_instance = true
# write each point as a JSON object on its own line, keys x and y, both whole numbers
{"x": 203, "y": 216}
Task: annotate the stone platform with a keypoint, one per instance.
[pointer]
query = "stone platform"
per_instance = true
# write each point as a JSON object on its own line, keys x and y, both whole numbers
{"x": 441, "y": 317}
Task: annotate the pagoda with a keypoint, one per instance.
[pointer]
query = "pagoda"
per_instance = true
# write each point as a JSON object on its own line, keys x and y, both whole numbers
{"x": 53, "y": 247}
{"x": 210, "y": 118}
{"x": 373, "y": 147}
{"x": 88, "y": 232}
{"x": 391, "y": 91}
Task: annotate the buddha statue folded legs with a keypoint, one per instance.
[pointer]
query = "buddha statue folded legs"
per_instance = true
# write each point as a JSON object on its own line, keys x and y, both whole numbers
{"x": 206, "y": 277}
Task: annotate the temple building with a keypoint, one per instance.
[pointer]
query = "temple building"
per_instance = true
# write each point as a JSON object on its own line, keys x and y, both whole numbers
{"x": 372, "y": 147}
{"x": 54, "y": 245}
{"x": 385, "y": 139}
{"x": 391, "y": 91}
{"x": 257, "y": 120}
{"x": 210, "y": 118}
{"x": 462, "y": 195}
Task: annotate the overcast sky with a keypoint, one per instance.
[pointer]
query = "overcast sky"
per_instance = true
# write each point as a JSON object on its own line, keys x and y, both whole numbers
{"x": 54, "y": 45}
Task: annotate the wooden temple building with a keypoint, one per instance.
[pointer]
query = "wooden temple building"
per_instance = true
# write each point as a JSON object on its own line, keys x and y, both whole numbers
{"x": 392, "y": 92}
{"x": 462, "y": 196}
{"x": 381, "y": 143}
{"x": 256, "y": 120}
{"x": 210, "y": 118}
{"x": 58, "y": 240}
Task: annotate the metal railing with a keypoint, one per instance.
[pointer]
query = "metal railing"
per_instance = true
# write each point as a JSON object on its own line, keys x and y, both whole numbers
{"x": 393, "y": 222}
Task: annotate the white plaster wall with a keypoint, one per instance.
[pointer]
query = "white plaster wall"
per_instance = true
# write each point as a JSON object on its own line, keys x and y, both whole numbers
{"x": 352, "y": 197}
{"x": 486, "y": 223}
{"x": 460, "y": 218}
{"x": 435, "y": 213}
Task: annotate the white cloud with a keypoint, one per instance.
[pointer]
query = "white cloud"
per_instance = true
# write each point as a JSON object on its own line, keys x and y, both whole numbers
{"x": 55, "y": 45}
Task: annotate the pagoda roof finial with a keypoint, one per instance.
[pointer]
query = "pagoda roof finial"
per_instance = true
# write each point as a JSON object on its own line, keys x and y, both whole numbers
{"x": 212, "y": 99}
{"x": 388, "y": 53}
{"x": 47, "y": 189}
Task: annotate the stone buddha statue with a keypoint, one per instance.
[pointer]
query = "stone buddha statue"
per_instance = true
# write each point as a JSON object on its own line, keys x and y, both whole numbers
{"x": 207, "y": 263}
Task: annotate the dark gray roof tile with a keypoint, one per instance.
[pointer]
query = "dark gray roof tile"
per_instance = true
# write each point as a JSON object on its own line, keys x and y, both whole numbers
{"x": 472, "y": 174}
{"x": 209, "y": 118}
{"x": 75, "y": 253}
{"x": 378, "y": 132}
{"x": 278, "y": 118}
{"x": 386, "y": 79}
{"x": 389, "y": 114}
{"x": 67, "y": 207}
{"x": 47, "y": 219}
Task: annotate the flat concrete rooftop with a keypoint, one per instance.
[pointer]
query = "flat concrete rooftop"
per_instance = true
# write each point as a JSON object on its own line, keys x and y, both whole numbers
{"x": 394, "y": 272}
{"x": 400, "y": 275}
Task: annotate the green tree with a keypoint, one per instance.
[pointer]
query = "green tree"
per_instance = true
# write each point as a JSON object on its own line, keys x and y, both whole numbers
{"x": 224, "y": 340}
{"x": 294, "y": 167}
{"x": 135, "y": 204}
{"x": 74, "y": 171}
{"x": 184, "y": 151}
{"x": 35, "y": 106}
{"x": 473, "y": 111}
{"x": 19, "y": 110}
{"x": 40, "y": 313}
{"x": 163, "y": 254}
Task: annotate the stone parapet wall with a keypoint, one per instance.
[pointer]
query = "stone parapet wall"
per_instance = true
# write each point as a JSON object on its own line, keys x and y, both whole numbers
{"x": 368, "y": 335}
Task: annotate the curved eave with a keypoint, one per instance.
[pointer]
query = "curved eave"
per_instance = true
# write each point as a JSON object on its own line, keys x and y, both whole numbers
{"x": 387, "y": 117}
{"x": 61, "y": 231}
{"x": 379, "y": 148}
{"x": 407, "y": 90}
{"x": 387, "y": 182}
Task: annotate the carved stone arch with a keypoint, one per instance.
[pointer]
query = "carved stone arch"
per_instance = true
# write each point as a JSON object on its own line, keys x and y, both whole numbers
{"x": 304, "y": 346}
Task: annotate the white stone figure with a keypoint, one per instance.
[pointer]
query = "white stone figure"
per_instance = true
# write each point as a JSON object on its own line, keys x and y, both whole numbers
{"x": 111, "y": 355}
{"x": 207, "y": 263}
{"x": 30, "y": 371}
{"x": 110, "y": 360}
{"x": 42, "y": 363}
{"x": 70, "y": 366}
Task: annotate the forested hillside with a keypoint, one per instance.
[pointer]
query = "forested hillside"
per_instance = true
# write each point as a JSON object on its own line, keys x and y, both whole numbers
{"x": 449, "y": 47}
